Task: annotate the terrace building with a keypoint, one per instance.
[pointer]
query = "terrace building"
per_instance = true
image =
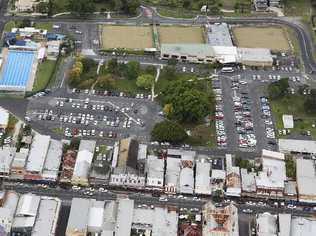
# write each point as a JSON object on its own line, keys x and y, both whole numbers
{"x": 248, "y": 182}
{"x": 270, "y": 181}
{"x": 36, "y": 159}
{"x": 18, "y": 164}
{"x": 155, "y": 172}
{"x": 128, "y": 170}
{"x": 68, "y": 165}
{"x": 203, "y": 178}
{"x": 7, "y": 208}
{"x": 233, "y": 182}
{"x": 83, "y": 163}
{"x": 78, "y": 217}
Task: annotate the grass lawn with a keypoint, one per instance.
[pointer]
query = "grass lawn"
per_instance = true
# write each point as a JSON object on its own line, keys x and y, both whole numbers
{"x": 298, "y": 8}
{"x": 202, "y": 135}
{"x": 177, "y": 12}
{"x": 43, "y": 25}
{"x": 293, "y": 105}
{"x": 9, "y": 25}
{"x": 128, "y": 86}
{"x": 43, "y": 75}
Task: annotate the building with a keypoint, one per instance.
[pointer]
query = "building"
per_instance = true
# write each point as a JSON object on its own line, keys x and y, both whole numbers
{"x": 78, "y": 217}
{"x": 83, "y": 163}
{"x": 218, "y": 178}
{"x": 226, "y": 55}
{"x": 248, "y": 182}
{"x": 297, "y": 146}
{"x": 4, "y": 118}
{"x": 6, "y": 157}
{"x": 306, "y": 180}
{"x": 260, "y": 57}
{"x": 7, "y": 210}
{"x": 25, "y": 214}
{"x": 101, "y": 167}
{"x": 302, "y": 226}
{"x": 270, "y": 181}
{"x": 220, "y": 220}
{"x": 18, "y": 164}
{"x": 155, "y": 172}
{"x": 196, "y": 53}
{"x": 233, "y": 182}
{"x": 179, "y": 171}
{"x": 128, "y": 171}
{"x": 203, "y": 178}
{"x": 266, "y": 224}
{"x": 68, "y": 165}
{"x": 53, "y": 160}
{"x": 288, "y": 122}
{"x": 47, "y": 217}
{"x": 37, "y": 156}
{"x": 25, "y": 5}
{"x": 53, "y": 49}
{"x": 96, "y": 217}
{"x": 218, "y": 35}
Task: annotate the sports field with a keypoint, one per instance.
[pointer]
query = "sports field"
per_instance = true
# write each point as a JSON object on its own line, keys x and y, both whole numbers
{"x": 129, "y": 37}
{"x": 180, "y": 34}
{"x": 274, "y": 38}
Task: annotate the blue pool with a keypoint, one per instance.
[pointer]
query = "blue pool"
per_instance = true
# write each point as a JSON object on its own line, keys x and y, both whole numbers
{"x": 16, "y": 69}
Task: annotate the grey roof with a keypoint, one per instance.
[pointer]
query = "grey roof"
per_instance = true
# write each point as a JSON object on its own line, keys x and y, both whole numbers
{"x": 254, "y": 55}
{"x": 248, "y": 181}
{"x": 303, "y": 226}
{"x": 172, "y": 171}
{"x": 47, "y": 217}
{"x": 155, "y": 167}
{"x": 88, "y": 145}
{"x": 19, "y": 159}
{"x": 202, "y": 179}
{"x": 84, "y": 159}
{"x": 218, "y": 35}
{"x": 53, "y": 159}
{"x": 306, "y": 178}
{"x": 198, "y": 50}
{"x": 294, "y": 145}
{"x": 165, "y": 222}
{"x": 183, "y": 154}
{"x": 38, "y": 153}
{"x": 78, "y": 217}
{"x": 124, "y": 217}
{"x": 186, "y": 180}
{"x": 142, "y": 151}
{"x": 28, "y": 205}
{"x": 11, "y": 202}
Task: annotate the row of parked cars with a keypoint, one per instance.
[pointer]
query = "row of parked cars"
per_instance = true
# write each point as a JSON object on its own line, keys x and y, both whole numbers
{"x": 219, "y": 115}
{"x": 71, "y": 132}
{"x": 242, "y": 111}
{"x": 267, "y": 117}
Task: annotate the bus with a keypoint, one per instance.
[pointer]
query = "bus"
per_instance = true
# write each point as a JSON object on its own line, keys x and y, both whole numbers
{"x": 227, "y": 69}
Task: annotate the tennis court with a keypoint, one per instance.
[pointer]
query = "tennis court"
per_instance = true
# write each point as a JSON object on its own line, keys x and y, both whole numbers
{"x": 16, "y": 70}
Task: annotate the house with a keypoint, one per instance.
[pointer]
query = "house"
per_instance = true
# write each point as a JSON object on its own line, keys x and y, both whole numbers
{"x": 83, "y": 163}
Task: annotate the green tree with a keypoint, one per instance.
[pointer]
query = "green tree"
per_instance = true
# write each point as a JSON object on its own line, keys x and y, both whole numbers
{"x": 168, "y": 131}
{"x": 42, "y": 7}
{"x": 145, "y": 81}
{"x": 168, "y": 72}
{"x": 189, "y": 104}
{"x": 88, "y": 64}
{"x": 279, "y": 88}
{"x": 310, "y": 102}
{"x": 132, "y": 70}
{"x": 290, "y": 167}
{"x": 81, "y": 7}
{"x": 113, "y": 66}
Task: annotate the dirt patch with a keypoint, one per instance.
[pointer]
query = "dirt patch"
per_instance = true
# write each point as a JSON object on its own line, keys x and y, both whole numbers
{"x": 261, "y": 37}
{"x": 178, "y": 34}
{"x": 129, "y": 37}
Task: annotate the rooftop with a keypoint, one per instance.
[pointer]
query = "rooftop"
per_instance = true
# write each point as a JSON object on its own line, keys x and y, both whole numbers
{"x": 78, "y": 217}
{"x": 47, "y": 218}
{"x": 4, "y": 117}
{"x": 28, "y": 205}
{"x": 306, "y": 178}
{"x": 248, "y": 182}
{"x": 299, "y": 146}
{"x": 6, "y": 157}
{"x": 124, "y": 217}
{"x": 218, "y": 35}
{"x": 53, "y": 159}
{"x": 254, "y": 54}
{"x": 288, "y": 122}
{"x": 303, "y": 226}
{"x": 202, "y": 179}
{"x": 199, "y": 50}
{"x": 36, "y": 158}
{"x": 155, "y": 167}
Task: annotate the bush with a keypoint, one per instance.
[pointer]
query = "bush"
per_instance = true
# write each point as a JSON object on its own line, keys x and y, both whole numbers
{"x": 168, "y": 131}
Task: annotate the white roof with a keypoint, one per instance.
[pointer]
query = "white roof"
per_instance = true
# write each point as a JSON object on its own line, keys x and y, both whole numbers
{"x": 202, "y": 179}
{"x": 38, "y": 153}
{"x": 46, "y": 220}
{"x": 267, "y": 224}
{"x": 254, "y": 55}
{"x": 124, "y": 217}
{"x": 155, "y": 167}
{"x": 6, "y": 157}
{"x": 272, "y": 154}
{"x": 183, "y": 154}
{"x": 84, "y": 159}
{"x": 218, "y": 35}
{"x": 272, "y": 175}
{"x": 306, "y": 178}
{"x": 288, "y": 122}
{"x": 53, "y": 159}
{"x": 225, "y": 54}
{"x": 96, "y": 215}
{"x": 41, "y": 53}
{"x": 4, "y": 117}
{"x": 165, "y": 222}
{"x": 78, "y": 217}
{"x": 303, "y": 226}
{"x": 294, "y": 145}
{"x": 186, "y": 180}
{"x": 284, "y": 224}
{"x": 218, "y": 174}
{"x": 248, "y": 181}
{"x": 189, "y": 49}
{"x": 11, "y": 201}
{"x": 28, "y": 205}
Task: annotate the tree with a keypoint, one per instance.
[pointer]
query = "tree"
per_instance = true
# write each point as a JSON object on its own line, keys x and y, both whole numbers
{"x": 168, "y": 131}
{"x": 290, "y": 167}
{"x": 188, "y": 103}
{"x": 113, "y": 66}
{"x": 105, "y": 82}
{"x": 167, "y": 110}
{"x": 88, "y": 64}
{"x": 132, "y": 70}
{"x": 310, "y": 102}
{"x": 145, "y": 81}
{"x": 42, "y": 7}
{"x": 168, "y": 72}
{"x": 81, "y": 7}
{"x": 279, "y": 88}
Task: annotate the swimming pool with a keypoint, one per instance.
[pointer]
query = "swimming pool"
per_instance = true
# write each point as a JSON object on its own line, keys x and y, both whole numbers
{"x": 17, "y": 69}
